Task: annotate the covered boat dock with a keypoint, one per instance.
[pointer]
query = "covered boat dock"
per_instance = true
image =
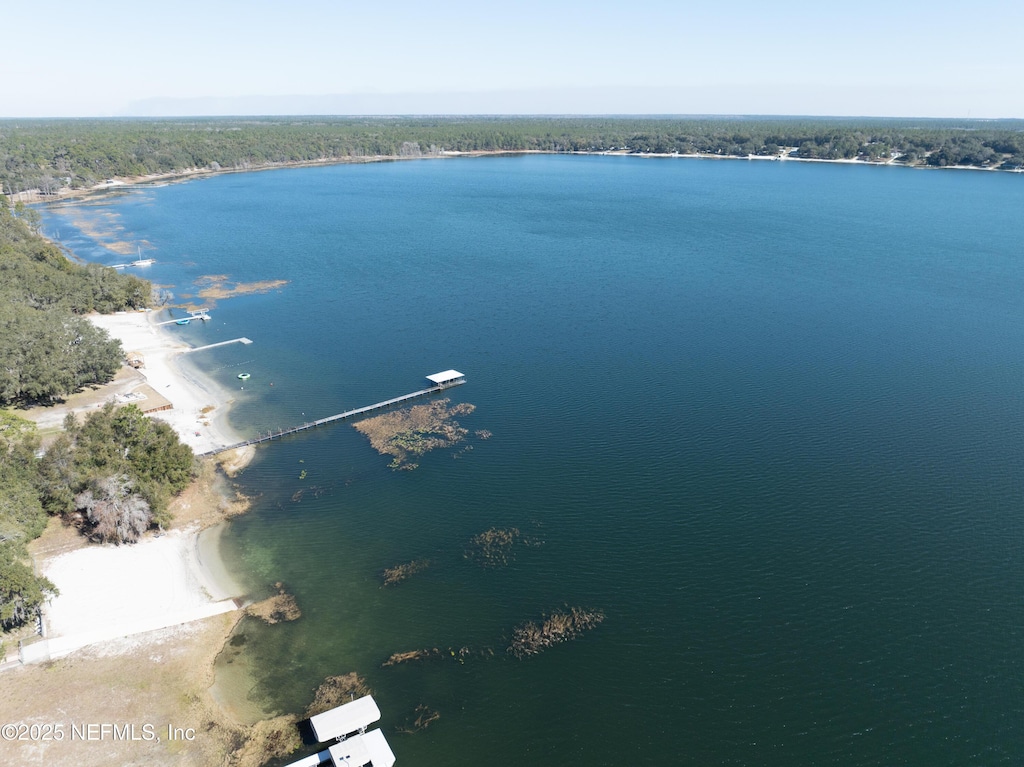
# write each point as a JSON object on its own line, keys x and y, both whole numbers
{"x": 447, "y": 378}
{"x": 355, "y": 747}
{"x": 370, "y": 749}
{"x": 345, "y": 720}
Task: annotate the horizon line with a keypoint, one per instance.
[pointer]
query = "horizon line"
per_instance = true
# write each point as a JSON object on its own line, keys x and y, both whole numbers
{"x": 513, "y": 116}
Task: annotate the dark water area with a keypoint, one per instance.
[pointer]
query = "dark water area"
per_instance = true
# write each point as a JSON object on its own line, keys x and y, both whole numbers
{"x": 766, "y": 417}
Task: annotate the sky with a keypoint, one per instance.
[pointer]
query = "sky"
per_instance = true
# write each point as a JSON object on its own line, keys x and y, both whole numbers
{"x": 903, "y": 58}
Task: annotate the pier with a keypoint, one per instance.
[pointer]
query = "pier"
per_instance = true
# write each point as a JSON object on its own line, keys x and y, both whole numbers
{"x": 140, "y": 262}
{"x": 194, "y": 314}
{"x": 204, "y": 317}
{"x": 219, "y": 343}
{"x": 441, "y": 381}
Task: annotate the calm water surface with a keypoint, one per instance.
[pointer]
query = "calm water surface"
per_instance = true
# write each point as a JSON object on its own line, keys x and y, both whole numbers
{"x": 766, "y": 416}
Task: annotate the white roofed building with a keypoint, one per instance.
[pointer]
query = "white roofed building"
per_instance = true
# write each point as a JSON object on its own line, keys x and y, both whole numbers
{"x": 447, "y": 378}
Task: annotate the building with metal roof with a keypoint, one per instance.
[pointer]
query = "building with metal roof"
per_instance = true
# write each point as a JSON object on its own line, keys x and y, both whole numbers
{"x": 447, "y": 378}
{"x": 345, "y": 719}
{"x": 355, "y": 747}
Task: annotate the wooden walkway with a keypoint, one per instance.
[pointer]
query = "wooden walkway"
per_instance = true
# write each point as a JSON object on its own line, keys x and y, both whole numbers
{"x": 214, "y": 346}
{"x": 204, "y": 317}
{"x": 331, "y": 419}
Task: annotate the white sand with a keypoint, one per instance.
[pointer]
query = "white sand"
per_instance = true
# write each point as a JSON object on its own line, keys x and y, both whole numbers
{"x": 186, "y": 391}
{"x": 108, "y": 592}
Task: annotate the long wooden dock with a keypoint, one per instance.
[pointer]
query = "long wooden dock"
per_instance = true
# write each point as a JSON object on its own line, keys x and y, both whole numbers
{"x": 339, "y": 417}
{"x": 192, "y": 316}
{"x": 214, "y": 346}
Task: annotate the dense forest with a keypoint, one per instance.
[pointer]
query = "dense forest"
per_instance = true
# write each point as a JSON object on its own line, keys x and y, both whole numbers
{"x": 113, "y": 474}
{"x": 47, "y": 349}
{"x": 52, "y": 154}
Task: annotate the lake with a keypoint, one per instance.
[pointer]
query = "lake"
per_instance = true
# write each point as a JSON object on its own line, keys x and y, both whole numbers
{"x": 764, "y": 417}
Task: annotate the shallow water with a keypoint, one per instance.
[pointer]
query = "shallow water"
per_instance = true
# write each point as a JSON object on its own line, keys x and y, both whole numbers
{"x": 766, "y": 416}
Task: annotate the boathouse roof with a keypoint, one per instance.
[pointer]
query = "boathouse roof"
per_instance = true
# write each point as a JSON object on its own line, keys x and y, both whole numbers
{"x": 344, "y": 719}
{"x": 445, "y": 376}
{"x": 360, "y": 750}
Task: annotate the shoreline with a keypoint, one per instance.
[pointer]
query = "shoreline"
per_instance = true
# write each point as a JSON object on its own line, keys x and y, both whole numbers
{"x": 190, "y": 174}
{"x": 199, "y": 406}
{"x": 112, "y": 595}
{"x": 135, "y": 634}
{"x": 179, "y": 571}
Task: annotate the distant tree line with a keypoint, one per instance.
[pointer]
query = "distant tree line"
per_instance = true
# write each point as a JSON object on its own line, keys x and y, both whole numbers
{"x": 50, "y": 154}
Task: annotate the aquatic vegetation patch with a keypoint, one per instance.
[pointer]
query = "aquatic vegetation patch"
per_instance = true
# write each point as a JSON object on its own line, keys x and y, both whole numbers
{"x": 335, "y": 690}
{"x": 415, "y": 430}
{"x": 531, "y": 638}
{"x": 104, "y": 227}
{"x": 217, "y": 286}
{"x": 435, "y": 653}
{"x": 315, "y": 490}
{"x": 234, "y": 461}
{"x": 496, "y": 547}
{"x": 466, "y": 449}
{"x": 266, "y": 740}
{"x": 279, "y": 608}
{"x": 421, "y": 718}
{"x": 395, "y": 575}
{"x": 397, "y": 658}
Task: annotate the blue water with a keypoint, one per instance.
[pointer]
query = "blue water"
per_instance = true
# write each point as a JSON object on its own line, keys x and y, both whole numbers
{"x": 767, "y": 417}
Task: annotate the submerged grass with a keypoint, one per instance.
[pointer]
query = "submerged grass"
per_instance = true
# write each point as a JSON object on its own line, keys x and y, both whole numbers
{"x": 496, "y": 546}
{"x": 532, "y": 637}
{"x": 414, "y": 431}
{"x": 395, "y": 575}
{"x": 421, "y": 718}
{"x": 279, "y": 608}
{"x": 436, "y": 653}
{"x": 336, "y": 690}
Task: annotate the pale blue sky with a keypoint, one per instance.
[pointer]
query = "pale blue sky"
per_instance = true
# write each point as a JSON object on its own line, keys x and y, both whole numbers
{"x": 114, "y": 57}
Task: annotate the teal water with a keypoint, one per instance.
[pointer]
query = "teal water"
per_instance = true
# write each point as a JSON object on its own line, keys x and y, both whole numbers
{"x": 766, "y": 416}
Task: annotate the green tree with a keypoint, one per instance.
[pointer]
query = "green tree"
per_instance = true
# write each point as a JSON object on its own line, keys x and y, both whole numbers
{"x": 21, "y": 591}
{"x": 124, "y": 441}
{"x": 57, "y": 476}
{"x": 45, "y": 355}
{"x": 21, "y": 514}
{"x": 29, "y": 215}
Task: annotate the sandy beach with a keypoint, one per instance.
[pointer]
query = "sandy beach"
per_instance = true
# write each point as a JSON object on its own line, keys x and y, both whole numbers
{"x": 135, "y": 629}
{"x": 109, "y": 592}
{"x": 113, "y": 592}
{"x": 199, "y": 407}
